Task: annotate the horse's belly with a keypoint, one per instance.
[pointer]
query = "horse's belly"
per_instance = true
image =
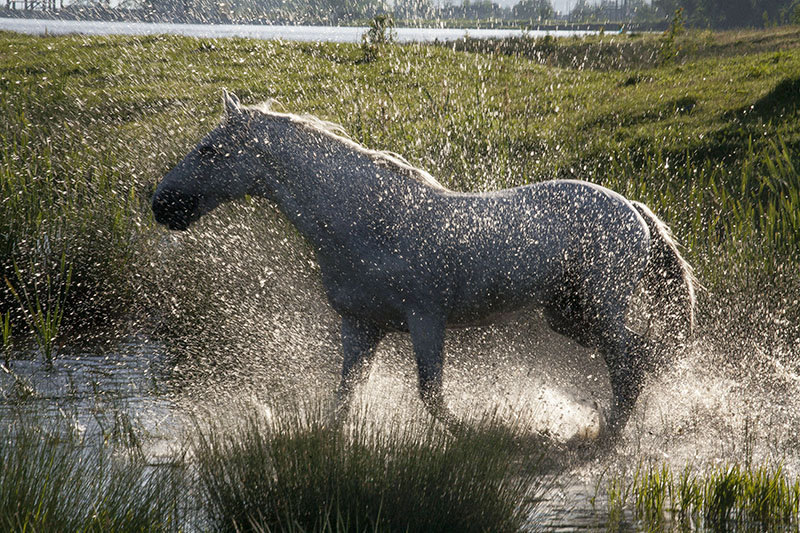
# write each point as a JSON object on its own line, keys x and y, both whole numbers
{"x": 493, "y": 314}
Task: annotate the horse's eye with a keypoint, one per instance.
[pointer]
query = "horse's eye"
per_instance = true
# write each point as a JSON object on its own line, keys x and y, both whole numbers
{"x": 206, "y": 152}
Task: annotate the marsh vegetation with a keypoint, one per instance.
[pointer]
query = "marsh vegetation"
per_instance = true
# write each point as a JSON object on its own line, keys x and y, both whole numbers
{"x": 708, "y": 138}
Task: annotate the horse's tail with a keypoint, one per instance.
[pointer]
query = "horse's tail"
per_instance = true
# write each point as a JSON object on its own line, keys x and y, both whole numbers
{"x": 669, "y": 275}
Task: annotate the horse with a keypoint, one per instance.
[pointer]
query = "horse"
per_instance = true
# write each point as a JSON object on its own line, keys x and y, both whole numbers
{"x": 398, "y": 251}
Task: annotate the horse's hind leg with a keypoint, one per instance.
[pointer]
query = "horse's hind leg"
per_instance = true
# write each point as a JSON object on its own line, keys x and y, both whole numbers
{"x": 359, "y": 340}
{"x": 626, "y": 355}
{"x": 621, "y": 352}
{"x": 597, "y": 324}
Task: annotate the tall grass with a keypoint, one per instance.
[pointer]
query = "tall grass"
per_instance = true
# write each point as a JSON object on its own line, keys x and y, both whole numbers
{"x": 294, "y": 472}
{"x": 55, "y": 480}
{"x": 64, "y": 205}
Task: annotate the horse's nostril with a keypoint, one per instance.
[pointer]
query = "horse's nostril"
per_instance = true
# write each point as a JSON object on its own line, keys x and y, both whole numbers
{"x": 174, "y": 209}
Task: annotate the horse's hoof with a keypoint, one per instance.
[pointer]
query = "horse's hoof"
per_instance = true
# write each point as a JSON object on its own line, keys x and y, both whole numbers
{"x": 587, "y": 436}
{"x": 592, "y": 432}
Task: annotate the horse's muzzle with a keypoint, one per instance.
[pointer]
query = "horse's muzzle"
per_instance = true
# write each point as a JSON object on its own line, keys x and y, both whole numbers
{"x": 174, "y": 209}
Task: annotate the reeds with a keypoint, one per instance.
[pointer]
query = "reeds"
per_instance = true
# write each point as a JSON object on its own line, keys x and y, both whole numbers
{"x": 5, "y": 327}
{"x": 297, "y": 473}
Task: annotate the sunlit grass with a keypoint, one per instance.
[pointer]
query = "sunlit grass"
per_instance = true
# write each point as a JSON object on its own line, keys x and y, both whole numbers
{"x": 729, "y": 498}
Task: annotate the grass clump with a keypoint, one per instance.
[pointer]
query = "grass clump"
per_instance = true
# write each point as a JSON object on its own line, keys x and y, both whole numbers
{"x": 732, "y": 497}
{"x": 42, "y": 308}
{"x": 55, "y": 480}
{"x": 295, "y": 473}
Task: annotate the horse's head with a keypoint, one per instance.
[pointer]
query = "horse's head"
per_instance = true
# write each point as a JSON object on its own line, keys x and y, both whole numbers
{"x": 223, "y": 166}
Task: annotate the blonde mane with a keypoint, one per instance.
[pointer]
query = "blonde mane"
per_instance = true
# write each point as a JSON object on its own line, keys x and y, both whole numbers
{"x": 337, "y": 132}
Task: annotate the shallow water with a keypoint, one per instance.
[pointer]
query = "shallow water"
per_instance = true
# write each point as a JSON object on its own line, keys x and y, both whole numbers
{"x": 98, "y": 392}
{"x": 692, "y": 415}
{"x": 339, "y": 34}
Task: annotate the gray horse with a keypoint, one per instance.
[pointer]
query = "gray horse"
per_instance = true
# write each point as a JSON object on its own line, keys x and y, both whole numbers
{"x": 400, "y": 252}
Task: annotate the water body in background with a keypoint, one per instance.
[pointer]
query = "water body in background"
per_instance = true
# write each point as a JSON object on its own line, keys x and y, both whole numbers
{"x": 339, "y": 34}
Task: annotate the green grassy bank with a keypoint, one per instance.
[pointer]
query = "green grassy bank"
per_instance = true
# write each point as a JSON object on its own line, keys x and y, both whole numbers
{"x": 706, "y": 133}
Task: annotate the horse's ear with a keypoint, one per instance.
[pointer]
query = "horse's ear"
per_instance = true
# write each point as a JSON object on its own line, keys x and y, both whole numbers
{"x": 230, "y": 103}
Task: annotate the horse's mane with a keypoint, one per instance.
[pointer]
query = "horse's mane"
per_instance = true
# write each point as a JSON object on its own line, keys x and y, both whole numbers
{"x": 337, "y": 132}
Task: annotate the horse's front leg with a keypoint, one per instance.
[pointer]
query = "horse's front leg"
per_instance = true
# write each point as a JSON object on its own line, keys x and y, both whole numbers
{"x": 427, "y": 336}
{"x": 359, "y": 340}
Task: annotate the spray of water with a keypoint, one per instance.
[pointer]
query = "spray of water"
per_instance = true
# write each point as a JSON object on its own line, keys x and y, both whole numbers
{"x": 243, "y": 291}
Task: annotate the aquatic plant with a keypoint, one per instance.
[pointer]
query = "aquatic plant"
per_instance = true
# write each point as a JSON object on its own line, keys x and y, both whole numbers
{"x": 651, "y": 490}
{"x": 5, "y": 326}
{"x": 42, "y": 304}
{"x": 294, "y": 471}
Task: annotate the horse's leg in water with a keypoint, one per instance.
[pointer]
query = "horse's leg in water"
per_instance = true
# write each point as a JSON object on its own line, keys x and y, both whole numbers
{"x": 600, "y": 324}
{"x": 359, "y": 340}
{"x": 427, "y": 336}
{"x": 628, "y": 357}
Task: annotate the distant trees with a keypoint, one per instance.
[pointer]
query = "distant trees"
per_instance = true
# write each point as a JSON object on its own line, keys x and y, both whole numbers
{"x": 295, "y": 11}
{"x": 698, "y": 13}
{"x": 533, "y": 9}
{"x": 614, "y": 10}
{"x": 412, "y": 9}
{"x": 732, "y": 13}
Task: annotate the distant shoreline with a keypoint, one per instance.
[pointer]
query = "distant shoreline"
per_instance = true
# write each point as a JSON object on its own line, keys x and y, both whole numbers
{"x": 99, "y": 14}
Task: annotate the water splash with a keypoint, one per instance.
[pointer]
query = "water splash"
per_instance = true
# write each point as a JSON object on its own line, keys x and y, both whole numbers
{"x": 255, "y": 319}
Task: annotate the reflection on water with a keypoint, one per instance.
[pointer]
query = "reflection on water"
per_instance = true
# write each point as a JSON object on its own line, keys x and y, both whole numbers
{"x": 99, "y": 392}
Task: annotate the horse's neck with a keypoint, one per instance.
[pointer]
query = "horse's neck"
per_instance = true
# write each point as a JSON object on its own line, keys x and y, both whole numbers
{"x": 333, "y": 192}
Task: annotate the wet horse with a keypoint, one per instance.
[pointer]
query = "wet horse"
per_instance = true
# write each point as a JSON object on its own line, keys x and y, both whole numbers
{"x": 400, "y": 252}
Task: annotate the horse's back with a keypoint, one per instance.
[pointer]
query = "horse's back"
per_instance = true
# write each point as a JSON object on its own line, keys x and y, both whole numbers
{"x": 524, "y": 247}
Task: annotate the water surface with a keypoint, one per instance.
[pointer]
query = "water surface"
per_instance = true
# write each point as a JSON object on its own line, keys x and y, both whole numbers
{"x": 340, "y": 34}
